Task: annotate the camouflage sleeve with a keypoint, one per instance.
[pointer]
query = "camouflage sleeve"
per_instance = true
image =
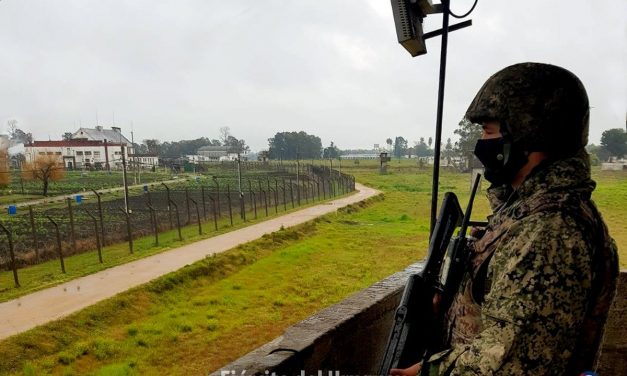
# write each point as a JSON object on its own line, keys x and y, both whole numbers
{"x": 541, "y": 280}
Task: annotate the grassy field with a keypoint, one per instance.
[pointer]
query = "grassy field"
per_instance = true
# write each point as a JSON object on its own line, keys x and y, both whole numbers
{"x": 203, "y": 316}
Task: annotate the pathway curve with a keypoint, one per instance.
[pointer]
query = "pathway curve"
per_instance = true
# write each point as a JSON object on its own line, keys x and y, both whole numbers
{"x": 26, "y": 312}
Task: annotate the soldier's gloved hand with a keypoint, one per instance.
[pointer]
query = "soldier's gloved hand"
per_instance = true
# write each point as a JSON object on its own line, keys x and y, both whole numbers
{"x": 411, "y": 371}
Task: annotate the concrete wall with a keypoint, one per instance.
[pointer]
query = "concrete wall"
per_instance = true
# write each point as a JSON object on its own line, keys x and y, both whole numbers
{"x": 350, "y": 336}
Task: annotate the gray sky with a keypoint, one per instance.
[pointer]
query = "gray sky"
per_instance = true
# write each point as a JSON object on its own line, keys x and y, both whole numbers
{"x": 181, "y": 69}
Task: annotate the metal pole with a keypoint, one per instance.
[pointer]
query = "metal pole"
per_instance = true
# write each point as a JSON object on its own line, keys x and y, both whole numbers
{"x": 72, "y": 233}
{"x": 197, "y": 216}
{"x": 96, "y": 233}
{"x": 438, "y": 125}
{"x": 56, "y": 228}
{"x": 13, "y": 266}
{"x": 124, "y": 178}
{"x": 129, "y": 232}
{"x": 34, "y": 231}
{"x": 100, "y": 215}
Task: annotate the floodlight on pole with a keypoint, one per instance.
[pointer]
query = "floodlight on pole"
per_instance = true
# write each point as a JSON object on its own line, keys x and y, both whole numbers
{"x": 408, "y": 17}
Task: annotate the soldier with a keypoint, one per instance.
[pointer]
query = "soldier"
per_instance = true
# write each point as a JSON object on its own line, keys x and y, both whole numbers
{"x": 543, "y": 272}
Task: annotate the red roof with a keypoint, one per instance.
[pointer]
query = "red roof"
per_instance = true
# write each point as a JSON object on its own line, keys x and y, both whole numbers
{"x": 69, "y": 143}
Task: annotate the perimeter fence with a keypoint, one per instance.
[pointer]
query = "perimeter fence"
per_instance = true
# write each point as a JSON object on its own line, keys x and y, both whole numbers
{"x": 89, "y": 222}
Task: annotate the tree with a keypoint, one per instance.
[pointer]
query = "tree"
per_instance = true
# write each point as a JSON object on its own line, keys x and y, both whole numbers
{"x": 468, "y": 133}
{"x": 66, "y": 136}
{"x": 286, "y": 145}
{"x": 421, "y": 149}
{"x": 152, "y": 145}
{"x": 389, "y": 142}
{"x": 400, "y": 147}
{"x": 236, "y": 145}
{"x": 331, "y": 152}
{"x": 449, "y": 151}
{"x": 45, "y": 168}
{"x": 599, "y": 152}
{"x": 18, "y": 135}
{"x": 615, "y": 142}
{"x": 225, "y": 133}
{"x": 431, "y": 141}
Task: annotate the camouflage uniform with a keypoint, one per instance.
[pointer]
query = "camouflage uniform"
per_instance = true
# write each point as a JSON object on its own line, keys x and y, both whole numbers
{"x": 541, "y": 282}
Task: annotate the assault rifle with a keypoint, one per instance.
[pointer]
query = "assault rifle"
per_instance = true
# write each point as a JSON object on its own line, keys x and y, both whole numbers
{"x": 418, "y": 325}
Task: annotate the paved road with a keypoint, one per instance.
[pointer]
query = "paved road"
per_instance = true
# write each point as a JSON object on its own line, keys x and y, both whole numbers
{"x": 38, "y": 308}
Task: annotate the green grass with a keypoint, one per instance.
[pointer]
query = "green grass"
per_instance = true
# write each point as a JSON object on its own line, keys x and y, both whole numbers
{"x": 48, "y": 274}
{"x": 209, "y": 313}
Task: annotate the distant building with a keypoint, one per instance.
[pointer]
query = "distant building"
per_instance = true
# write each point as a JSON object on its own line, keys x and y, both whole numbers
{"x": 219, "y": 153}
{"x": 113, "y": 135}
{"x": 78, "y": 154}
{"x": 144, "y": 161}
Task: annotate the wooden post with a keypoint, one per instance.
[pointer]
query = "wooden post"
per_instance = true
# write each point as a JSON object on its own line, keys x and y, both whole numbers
{"x": 178, "y": 219}
{"x": 197, "y": 216}
{"x": 154, "y": 223}
{"x": 72, "y": 234}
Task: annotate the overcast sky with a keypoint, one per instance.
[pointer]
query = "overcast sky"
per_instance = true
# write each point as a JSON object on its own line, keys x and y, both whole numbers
{"x": 181, "y": 69}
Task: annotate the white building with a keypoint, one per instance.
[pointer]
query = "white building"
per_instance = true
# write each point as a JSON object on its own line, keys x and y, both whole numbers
{"x": 144, "y": 161}
{"x": 113, "y": 135}
{"x": 78, "y": 154}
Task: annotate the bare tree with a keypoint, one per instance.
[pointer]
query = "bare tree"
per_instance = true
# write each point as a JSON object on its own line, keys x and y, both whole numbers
{"x": 225, "y": 133}
{"x": 45, "y": 168}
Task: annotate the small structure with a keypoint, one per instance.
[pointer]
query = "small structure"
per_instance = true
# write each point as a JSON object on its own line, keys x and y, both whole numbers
{"x": 383, "y": 160}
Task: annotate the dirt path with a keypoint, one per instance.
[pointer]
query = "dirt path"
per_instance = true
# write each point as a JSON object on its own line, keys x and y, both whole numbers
{"x": 38, "y": 308}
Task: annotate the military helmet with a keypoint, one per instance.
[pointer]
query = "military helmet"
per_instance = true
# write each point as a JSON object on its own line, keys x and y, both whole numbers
{"x": 540, "y": 107}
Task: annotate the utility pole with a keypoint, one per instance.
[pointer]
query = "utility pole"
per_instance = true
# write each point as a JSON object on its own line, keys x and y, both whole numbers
{"x": 124, "y": 178}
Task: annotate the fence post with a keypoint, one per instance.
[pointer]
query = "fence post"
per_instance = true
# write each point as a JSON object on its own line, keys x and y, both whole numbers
{"x": 215, "y": 179}
{"x": 189, "y": 214}
{"x": 12, "y": 253}
{"x": 276, "y": 196}
{"x": 34, "y": 232}
{"x": 204, "y": 209}
{"x": 178, "y": 219}
{"x": 128, "y": 229}
{"x": 153, "y": 221}
{"x": 167, "y": 189}
{"x": 215, "y": 217}
{"x": 100, "y": 215}
{"x": 72, "y": 234}
{"x": 197, "y": 216}
{"x": 228, "y": 198}
{"x": 96, "y": 233}
{"x": 59, "y": 250}
{"x": 292, "y": 193}
{"x": 265, "y": 201}
{"x": 284, "y": 200}
{"x": 242, "y": 206}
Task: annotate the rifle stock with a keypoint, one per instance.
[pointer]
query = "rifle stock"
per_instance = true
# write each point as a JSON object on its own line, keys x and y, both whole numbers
{"x": 417, "y": 329}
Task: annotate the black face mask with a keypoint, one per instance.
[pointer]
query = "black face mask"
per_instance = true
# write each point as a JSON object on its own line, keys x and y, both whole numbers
{"x": 500, "y": 159}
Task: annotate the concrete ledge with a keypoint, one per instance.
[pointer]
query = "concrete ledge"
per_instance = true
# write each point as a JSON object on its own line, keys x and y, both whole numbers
{"x": 350, "y": 336}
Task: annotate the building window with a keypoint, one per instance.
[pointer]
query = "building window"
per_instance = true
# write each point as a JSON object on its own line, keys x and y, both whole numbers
{"x": 79, "y": 153}
{"x": 96, "y": 154}
{"x": 58, "y": 153}
{"x": 88, "y": 153}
